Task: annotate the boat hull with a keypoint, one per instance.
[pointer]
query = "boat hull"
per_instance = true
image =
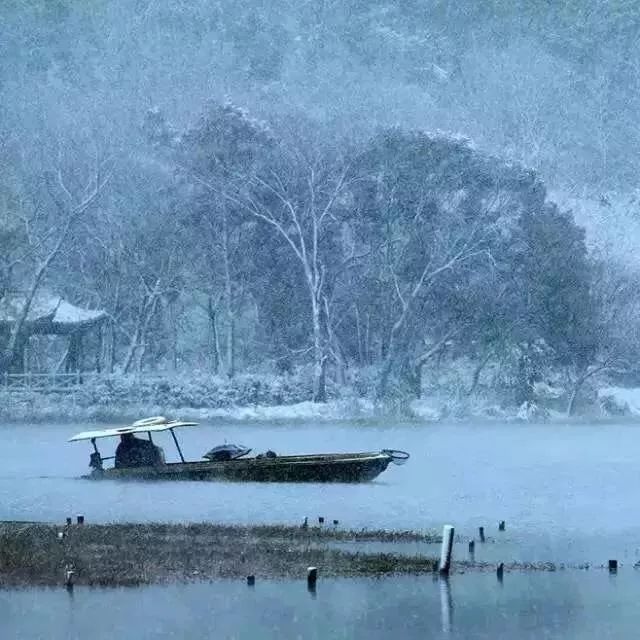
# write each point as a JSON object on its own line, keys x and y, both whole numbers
{"x": 356, "y": 467}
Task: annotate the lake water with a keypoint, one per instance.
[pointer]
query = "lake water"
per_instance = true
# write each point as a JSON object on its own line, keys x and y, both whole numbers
{"x": 561, "y": 605}
{"x": 568, "y": 494}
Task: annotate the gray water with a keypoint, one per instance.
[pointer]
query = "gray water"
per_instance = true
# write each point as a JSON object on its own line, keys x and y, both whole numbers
{"x": 559, "y": 605}
{"x": 568, "y": 494}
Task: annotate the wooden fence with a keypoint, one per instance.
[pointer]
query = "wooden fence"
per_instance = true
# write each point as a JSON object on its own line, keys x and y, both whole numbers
{"x": 45, "y": 381}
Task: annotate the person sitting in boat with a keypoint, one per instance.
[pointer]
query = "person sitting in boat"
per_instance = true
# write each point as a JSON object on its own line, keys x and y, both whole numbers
{"x": 136, "y": 452}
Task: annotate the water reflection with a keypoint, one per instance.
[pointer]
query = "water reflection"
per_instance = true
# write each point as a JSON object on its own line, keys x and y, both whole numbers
{"x": 561, "y": 605}
{"x": 446, "y": 604}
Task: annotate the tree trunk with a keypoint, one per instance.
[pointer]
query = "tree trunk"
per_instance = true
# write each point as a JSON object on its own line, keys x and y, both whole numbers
{"x": 389, "y": 358}
{"x": 335, "y": 346}
{"x": 113, "y": 346}
{"x": 367, "y": 341}
{"x": 571, "y": 406}
{"x": 319, "y": 387}
{"x": 10, "y": 352}
{"x": 231, "y": 365}
{"x": 215, "y": 347}
{"x": 359, "y": 336}
{"x": 412, "y": 373}
{"x": 580, "y": 380}
{"x": 151, "y": 310}
{"x": 133, "y": 344}
{"x": 524, "y": 390}
{"x": 100, "y": 349}
{"x": 16, "y": 363}
{"x": 229, "y": 298}
{"x": 172, "y": 330}
{"x": 478, "y": 370}
{"x": 72, "y": 364}
{"x": 383, "y": 382}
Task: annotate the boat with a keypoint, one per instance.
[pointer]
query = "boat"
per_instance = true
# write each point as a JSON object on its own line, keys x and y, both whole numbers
{"x": 232, "y": 463}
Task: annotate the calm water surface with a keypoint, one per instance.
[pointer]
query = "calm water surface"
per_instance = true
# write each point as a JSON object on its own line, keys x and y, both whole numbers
{"x": 561, "y": 605}
{"x": 568, "y": 494}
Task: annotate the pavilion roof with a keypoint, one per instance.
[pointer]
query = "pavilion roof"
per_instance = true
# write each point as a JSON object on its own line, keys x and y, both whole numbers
{"x": 48, "y": 313}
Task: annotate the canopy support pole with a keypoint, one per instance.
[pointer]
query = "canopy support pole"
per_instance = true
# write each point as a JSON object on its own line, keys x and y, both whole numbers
{"x": 177, "y": 445}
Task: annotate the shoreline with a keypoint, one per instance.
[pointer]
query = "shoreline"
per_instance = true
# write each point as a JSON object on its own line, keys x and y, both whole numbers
{"x": 35, "y": 411}
{"x": 253, "y": 400}
{"x": 250, "y": 416}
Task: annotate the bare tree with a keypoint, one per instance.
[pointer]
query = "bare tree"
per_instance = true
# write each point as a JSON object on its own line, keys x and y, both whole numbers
{"x": 46, "y": 236}
{"x": 450, "y": 246}
{"x": 301, "y": 202}
{"x": 616, "y": 334}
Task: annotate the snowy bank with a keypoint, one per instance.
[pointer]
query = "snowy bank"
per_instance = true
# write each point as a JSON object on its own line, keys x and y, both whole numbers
{"x": 253, "y": 398}
{"x": 620, "y": 401}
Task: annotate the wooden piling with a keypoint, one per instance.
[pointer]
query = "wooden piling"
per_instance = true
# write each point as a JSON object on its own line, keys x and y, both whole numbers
{"x": 335, "y": 523}
{"x": 446, "y": 549}
{"x": 80, "y": 519}
{"x": 69, "y": 573}
{"x": 481, "y": 532}
{"x": 472, "y": 547}
{"x": 613, "y": 566}
{"x": 500, "y": 572}
{"x": 251, "y": 580}
{"x": 312, "y": 577}
{"x": 69, "y": 521}
{"x": 320, "y": 520}
{"x": 501, "y": 526}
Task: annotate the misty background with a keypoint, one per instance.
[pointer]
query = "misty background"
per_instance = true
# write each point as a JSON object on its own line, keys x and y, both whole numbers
{"x": 398, "y": 199}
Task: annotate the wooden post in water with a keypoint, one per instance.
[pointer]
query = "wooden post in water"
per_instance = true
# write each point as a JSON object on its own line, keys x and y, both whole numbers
{"x": 69, "y": 521}
{"x": 320, "y": 520}
{"x": 80, "y": 519}
{"x": 613, "y": 566}
{"x": 472, "y": 547}
{"x": 501, "y": 525}
{"x": 500, "y": 572}
{"x": 481, "y": 532}
{"x": 251, "y": 580}
{"x": 446, "y": 549}
{"x": 312, "y": 578}
{"x": 69, "y": 573}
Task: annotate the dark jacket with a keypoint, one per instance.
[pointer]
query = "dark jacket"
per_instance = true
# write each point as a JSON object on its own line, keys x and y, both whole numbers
{"x": 135, "y": 452}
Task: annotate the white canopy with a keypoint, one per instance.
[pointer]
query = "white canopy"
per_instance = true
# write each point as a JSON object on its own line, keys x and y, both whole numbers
{"x": 141, "y": 426}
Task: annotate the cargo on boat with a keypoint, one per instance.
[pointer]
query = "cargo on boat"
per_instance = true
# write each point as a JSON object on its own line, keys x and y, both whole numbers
{"x": 141, "y": 459}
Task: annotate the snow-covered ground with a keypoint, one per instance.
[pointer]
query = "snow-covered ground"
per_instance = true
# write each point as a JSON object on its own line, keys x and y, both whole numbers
{"x": 269, "y": 399}
{"x": 620, "y": 401}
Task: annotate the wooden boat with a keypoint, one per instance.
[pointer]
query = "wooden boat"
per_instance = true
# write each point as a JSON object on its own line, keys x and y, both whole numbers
{"x": 325, "y": 467}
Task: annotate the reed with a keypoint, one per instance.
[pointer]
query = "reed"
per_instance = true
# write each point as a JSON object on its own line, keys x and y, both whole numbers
{"x": 135, "y": 554}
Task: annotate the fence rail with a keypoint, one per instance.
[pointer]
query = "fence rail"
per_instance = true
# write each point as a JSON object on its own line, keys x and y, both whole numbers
{"x": 45, "y": 381}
